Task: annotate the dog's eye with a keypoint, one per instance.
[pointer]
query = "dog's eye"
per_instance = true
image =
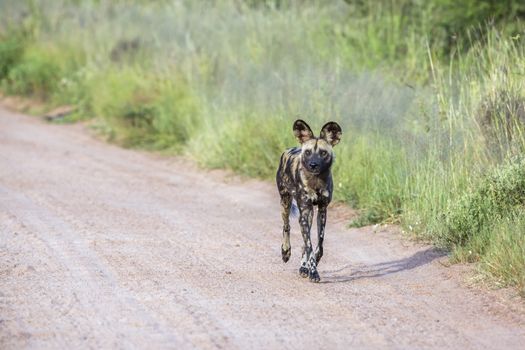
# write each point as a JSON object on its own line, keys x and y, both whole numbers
{"x": 323, "y": 153}
{"x": 308, "y": 153}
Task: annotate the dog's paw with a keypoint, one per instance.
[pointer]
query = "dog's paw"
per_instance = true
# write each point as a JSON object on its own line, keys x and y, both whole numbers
{"x": 314, "y": 276}
{"x": 286, "y": 254}
{"x": 303, "y": 271}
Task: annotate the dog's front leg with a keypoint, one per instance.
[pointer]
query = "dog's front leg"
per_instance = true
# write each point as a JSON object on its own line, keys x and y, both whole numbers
{"x": 321, "y": 223}
{"x": 308, "y": 264}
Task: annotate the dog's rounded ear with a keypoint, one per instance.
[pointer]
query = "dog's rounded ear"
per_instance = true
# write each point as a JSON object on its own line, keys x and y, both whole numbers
{"x": 331, "y": 132}
{"x": 302, "y": 131}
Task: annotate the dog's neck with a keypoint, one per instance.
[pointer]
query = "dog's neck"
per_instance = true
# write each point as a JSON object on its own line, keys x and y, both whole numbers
{"x": 313, "y": 181}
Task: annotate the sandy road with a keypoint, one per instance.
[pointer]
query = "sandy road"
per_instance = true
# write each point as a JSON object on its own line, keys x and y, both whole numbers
{"x": 102, "y": 247}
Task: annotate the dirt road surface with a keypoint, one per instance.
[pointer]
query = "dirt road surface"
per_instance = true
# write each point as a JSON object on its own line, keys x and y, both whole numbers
{"x": 102, "y": 247}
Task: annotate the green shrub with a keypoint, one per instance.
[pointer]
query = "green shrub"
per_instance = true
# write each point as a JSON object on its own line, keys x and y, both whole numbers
{"x": 35, "y": 74}
{"x": 138, "y": 109}
{"x": 495, "y": 197}
{"x": 43, "y": 70}
{"x": 11, "y": 50}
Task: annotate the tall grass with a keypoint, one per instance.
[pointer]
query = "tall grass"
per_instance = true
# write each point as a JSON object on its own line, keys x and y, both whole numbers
{"x": 424, "y": 118}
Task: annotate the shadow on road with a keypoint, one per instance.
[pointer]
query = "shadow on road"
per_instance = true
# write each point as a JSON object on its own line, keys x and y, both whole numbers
{"x": 351, "y": 272}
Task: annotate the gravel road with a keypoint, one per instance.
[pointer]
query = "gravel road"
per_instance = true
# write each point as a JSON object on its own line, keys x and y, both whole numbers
{"x": 102, "y": 247}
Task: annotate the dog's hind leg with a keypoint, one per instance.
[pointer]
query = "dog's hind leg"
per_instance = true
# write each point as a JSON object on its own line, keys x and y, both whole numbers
{"x": 286, "y": 204}
{"x": 321, "y": 223}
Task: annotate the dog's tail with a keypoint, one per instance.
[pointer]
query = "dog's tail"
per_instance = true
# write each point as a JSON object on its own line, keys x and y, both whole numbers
{"x": 294, "y": 211}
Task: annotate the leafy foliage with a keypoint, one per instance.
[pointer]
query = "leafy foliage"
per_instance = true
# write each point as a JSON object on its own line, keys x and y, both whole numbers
{"x": 498, "y": 195}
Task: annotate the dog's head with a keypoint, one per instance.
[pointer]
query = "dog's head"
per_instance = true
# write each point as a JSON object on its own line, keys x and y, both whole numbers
{"x": 316, "y": 152}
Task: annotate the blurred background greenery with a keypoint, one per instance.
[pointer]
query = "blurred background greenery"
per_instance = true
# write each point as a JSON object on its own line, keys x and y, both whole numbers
{"x": 430, "y": 95}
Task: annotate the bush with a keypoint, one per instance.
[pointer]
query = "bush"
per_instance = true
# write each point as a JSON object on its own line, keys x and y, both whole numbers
{"x": 46, "y": 70}
{"x": 496, "y": 197}
{"x": 11, "y": 50}
{"x": 37, "y": 72}
{"x": 139, "y": 109}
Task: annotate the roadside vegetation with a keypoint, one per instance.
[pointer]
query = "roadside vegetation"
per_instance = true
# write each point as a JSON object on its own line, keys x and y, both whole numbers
{"x": 430, "y": 95}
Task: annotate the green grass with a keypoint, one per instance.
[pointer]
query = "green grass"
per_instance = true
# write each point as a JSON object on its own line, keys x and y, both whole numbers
{"x": 496, "y": 196}
{"x": 486, "y": 224}
{"x": 11, "y": 49}
{"x": 36, "y": 73}
{"x": 431, "y": 99}
{"x": 504, "y": 256}
{"x": 140, "y": 109}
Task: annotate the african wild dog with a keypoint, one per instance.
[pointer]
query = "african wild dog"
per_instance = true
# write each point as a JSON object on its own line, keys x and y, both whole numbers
{"x": 304, "y": 176}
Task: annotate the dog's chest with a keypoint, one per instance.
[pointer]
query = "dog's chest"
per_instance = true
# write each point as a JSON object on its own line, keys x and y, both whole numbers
{"x": 314, "y": 190}
{"x": 315, "y": 196}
